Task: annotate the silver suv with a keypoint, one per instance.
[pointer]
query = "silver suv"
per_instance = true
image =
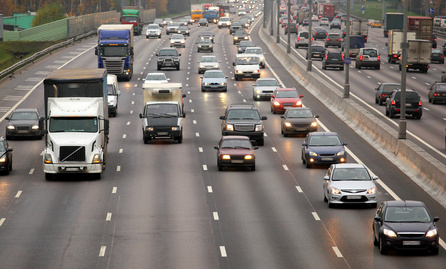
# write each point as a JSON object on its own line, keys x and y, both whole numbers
{"x": 368, "y": 57}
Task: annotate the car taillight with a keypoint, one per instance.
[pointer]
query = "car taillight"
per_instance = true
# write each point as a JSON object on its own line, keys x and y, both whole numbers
{"x": 435, "y": 40}
{"x": 361, "y": 57}
{"x": 365, "y": 38}
{"x": 383, "y": 95}
{"x": 340, "y": 39}
{"x": 379, "y": 58}
{"x": 436, "y": 94}
{"x": 298, "y": 38}
{"x": 393, "y": 102}
{"x": 311, "y": 39}
{"x": 420, "y": 103}
{"x": 326, "y": 56}
{"x": 342, "y": 56}
{"x": 326, "y": 33}
{"x": 328, "y": 39}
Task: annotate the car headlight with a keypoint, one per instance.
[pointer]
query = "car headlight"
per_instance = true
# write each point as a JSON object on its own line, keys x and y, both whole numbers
{"x": 199, "y": 46}
{"x": 288, "y": 124}
{"x": 150, "y": 129}
{"x": 238, "y": 71}
{"x": 206, "y": 83}
{"x": 202, "y": 66}
{"x": 35, "y": 127}
{"x": 215, "y": 66}
{"x": 371, "y": 190}
{"x": 235, "y": 37}
{"x": 11, "y": 127}
{"x": 175, "y": 128}
{"x": 249, "y": 157}
{"x": 340, "y": 153}
{"x": 246, "y": 37}
{"x": 276, "y": 103}
{"x": 229, "y": 127}
{"x": 97, "y": 158}
{"x": 335, "y": 190}
{"x": 299, "y": 103}
{"x": 47, "y": 158}
{"x": 431, "y": 233}
{"x": 226, "y": 157}
{"x": 312, "y": 153}
{"x": 171, "y": 41}
{"x": 179, "y": 32}
{"x": 314, "y": 124}
{"x": 259, "y": 127}
{"x": 222, "y": 83}
{"x": 389, "y": 233}
{"x": 262, "y": 58}
{"x": 182, "y": 41}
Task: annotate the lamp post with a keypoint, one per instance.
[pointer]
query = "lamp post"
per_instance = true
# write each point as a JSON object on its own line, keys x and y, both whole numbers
{"x": 404, "y": 46}
{"x": 310, "y": 25}
{"x": 278, "y": 33}
{"x": 288, "y": 47}
{"x": 347, "y": 59}
{"x": 272, "y": 18}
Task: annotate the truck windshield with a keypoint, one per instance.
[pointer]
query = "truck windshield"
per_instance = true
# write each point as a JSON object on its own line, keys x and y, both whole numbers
{"x": 74, "y": 124}
{"x": 114, "y": 51}
{"x": 130, "y": 19}
{"x": 162, "y": 110}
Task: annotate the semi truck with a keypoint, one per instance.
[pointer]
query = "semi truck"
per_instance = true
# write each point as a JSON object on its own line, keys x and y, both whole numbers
{"x": 133, "y": 15}
{"x": 356, "y": 43}
{"x": 359, "y": 27}
{"x": 422, "y": 26}
{"x": 163, "y": 111}
{"x": 115, "y": 49}
{"x": 418, "y": 55}
{"x": 76, "y": 122}
{"x": 328, "y": 11}
{"x": 196, "y": 12}
{"x": 394, "y": 44}
{"x": 393, "y": 21}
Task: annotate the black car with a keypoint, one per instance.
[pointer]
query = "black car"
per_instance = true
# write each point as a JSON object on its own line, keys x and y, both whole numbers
{"x": 323, "y": 148}
{"x": 203, "y": 22}
{"x": 298, "y": 120}
{"x": 292, "y": 28}
{"x": 168, "y": 58}
{"x": 243, "y": 45}
{"x": 234, "y": 27}
{"x": 317, "y": 51}
{"x": 333, "y": 59}
{"x": 413, "y": 104}
{"x": 434, "y": 41}
{"x": 437, "y": 92}
{"x": 319, "y": 33}
{"x": 239, "y": 36}
{"x": 405, "y": 225}
{"x": 243, "y": 119}
{"x": 444, "y": 48}
{"x": 335, "y": 24}
{"x": 437, "y": 56}
{"x": 305, "y": 22}
{"x": 184, "y": 29}
{"x": 205, "y": 45}
{"x": 384, "y": 90}
{"x": 24, "y": 122}
{"x": 5, "y": 156}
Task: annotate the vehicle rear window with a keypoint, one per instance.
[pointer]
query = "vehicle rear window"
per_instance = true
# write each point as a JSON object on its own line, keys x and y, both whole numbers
{"x": 371, "y": 53}
{"x": 410, "y": 96}
{"x": 389, "y": 88}
{"x": 441, "y": 88}
{"x": 304, "y": 34}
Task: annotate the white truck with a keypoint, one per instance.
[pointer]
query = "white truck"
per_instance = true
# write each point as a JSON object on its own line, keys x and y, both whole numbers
{"x": 359, "y": 27}
{"x": 394, "y": 44}
{"x": 76, "y": 122}
{"x": 163, "y": 111}
{"x": 418, "y": 55}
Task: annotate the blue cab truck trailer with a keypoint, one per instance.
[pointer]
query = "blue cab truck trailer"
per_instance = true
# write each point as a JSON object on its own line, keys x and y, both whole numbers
{"x": 356, "y": 43}
{"x": 115, "y": 49}
{"x": 211, "y": 15}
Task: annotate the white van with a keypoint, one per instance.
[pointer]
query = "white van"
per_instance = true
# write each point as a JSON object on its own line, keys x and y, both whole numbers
{"x": 113, "y": 94}
{"x": 246, "y": 66}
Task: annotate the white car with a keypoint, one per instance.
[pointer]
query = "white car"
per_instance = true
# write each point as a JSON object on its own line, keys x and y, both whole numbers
{"x": 259, "y": 52}
{"x": 324, "y": 21}
{"x": 156, "y": 78}
{"x": 113, "y": 95}
{"x": 208, "y": 62}
{"x": 177, "y": 40}
{"x": 153, "y": 30}
{"x": 224, "y": 22}
{"x": 246, "y": 66}
{"x": 264, "y": 88}
{"x": 314, "y": 18}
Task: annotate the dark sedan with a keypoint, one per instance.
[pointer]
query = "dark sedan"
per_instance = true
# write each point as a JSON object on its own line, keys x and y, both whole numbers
{"x": 243, "y": 45}
{"x": 24, "y": 122}
{"x": 317, "y": 51}
{"x": 437, "y": 56}
{"x": 319, "y": 33}
{"x": 323, "y": 148}
{"x": 235, "y": 151}
{"x": 234, "y": 27}
{"x": 437, "y": 93}
{"x": 383, "y": 92}
{"x": 5, "y": 156}
{"x": 405, "y": 225}
{"x": 298, "y": 120}
{"x": 239, "y": 36}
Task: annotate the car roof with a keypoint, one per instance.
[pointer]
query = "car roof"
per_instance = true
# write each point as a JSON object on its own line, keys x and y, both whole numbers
{"x": 226, "y": 137}
{"x": 323, "y": 134}
{"x": 25, "y": 110}
{"x": 260, "y": 79}
{"x": 348, "y": 165}
{"x": 286, "y": 89}
{"x": 404, "y": 203}
{"x": 242, "y": 105}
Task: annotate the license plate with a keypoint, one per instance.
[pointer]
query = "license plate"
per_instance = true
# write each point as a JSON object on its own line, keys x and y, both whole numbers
{"x": 162, "y": 133}
{"x": 317, "y": 55}
{"x": 408, "y": 104}
{"x": 353, "y": 197}
{"x": 411, "y": 243}
{"x": 326, "y": 159}
{"x": 237, "y": 161}
{"x": 334, "y": 59}
{"x": 22, "y": 131}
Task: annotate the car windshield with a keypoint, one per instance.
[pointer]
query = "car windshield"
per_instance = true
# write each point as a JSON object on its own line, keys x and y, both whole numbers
{"x": 236, "y": 143}
{"x": 168, "y": 53}
{"x": 267, "y": 82}
{"x": 287, "y": 94}
{"x": 173, "y": 24}
{"x": 247, "y": 60}
{"x": 153, "y": 27}
{"x": 241, "y": 33}
{"x": 324, "y": 140}
{"x": 407, "y": 214}
{"x": 254, "y": 51}
{"x": 236, "y": 24}
{"x": 24, "y": 116}
{"x": 243, "y": 114}
{"x": 245, "y": 44}
{"x": 162, "y": 110}
{"x": 156, "y": 77}
{"x": 390, "y": 88}
{"x": 350, "y": 174}
{"x": 299, "y": 113}
{"x": 205, "y": 41}
{"x": 2, "y": 147}
{"x": 208, "y": 74}
{"x": 177, "y": 36}
{"x": 207, "y": 59}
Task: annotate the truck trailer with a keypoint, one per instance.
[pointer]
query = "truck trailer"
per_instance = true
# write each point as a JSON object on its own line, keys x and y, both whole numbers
{"x": 418, "y": 55}
{"x": 133, "y": 15}
{"x": 393, "y": 21}
{"x": 394, "y": 44}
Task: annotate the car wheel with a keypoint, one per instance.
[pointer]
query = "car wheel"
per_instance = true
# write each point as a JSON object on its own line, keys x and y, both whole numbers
{"x": 375, "y": 241}
{"x": 307, "y": 164}
{"x": 378, "y": 67}
{"x": 433, "y": 102}
{"x": 358, "y": 66}
{"x": 391, "y": 114}
{"x": 178, "y": 67}
{"x": 324, "y": 67}
{"x": 296, "y": 46}
{"x": 180, "y": 139}
{"x": 325, "y": 198}
{"x": 434, "y": 251}
{"x": 212, "y": 50}
{"x": 202, "y": 90}
{"x": 253, "y": 167}
{"x": 382, "y": 248}
{"x": 342, "y": 68}
{"x": 330, "y": 205}
{"x": 50, "y": 177}
{"x": 220, "y": 168}
{"x": 146, "y": 140}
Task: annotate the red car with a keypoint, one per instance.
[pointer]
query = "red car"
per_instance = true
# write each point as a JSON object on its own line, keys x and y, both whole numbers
{"x": 235, "y": 151}
{"x": 285, "y": 97}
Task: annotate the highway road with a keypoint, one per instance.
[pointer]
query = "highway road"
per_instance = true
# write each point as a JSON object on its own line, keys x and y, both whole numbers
{"x": 166, "y": 205}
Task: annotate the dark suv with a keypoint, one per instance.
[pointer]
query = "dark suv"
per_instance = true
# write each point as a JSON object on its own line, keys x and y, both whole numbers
{"x": 333, "y": 59}
{"x": 437, "y": 92}
{"x": 413, "y": 104}
{"x": 243, "y": 119}
{"x": 168, "y": 57}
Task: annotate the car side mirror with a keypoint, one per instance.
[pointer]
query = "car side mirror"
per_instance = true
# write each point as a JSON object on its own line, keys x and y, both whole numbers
{"x": 256, "y": 148}
{"x": 263, "y": 118}
{"x": 326, "y": 177}
{"x": 216, "y": 147}
{"x": 377, "y": 219}
{"x": 179, "y": 54}
{"x": 436, "y": 219}
{"x": 282, "y": 116}
{"x": 157, "y": 54}
{"x": 41, "y": 123}
{"x": 304, "y": 144}
{"x": 222, "y": 117}
{"x": 119, "y": 93}
{"x": 183, "y": 95}
{"x": 301, "y": 96}
{"x": 201, "y": 77}
{"x": 184, "y": 115}
{"x": 7, "y": 118}
{"x": 140, "y": 116}
{"x": 233, "y": 63}
{"x": 344, "y": 144}
{"x": 374, "y": 177}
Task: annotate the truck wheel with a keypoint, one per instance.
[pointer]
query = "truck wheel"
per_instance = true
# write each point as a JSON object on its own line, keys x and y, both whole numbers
{"x": 178, "y": 67}
{"x": 158, "y": 68}
{"x": 146, "y": 140}
{"x": 50, "y": 177}
{"x": 97, "y": 175}
{"x": 180, "y": 139}
{"x": 400, "y": 67}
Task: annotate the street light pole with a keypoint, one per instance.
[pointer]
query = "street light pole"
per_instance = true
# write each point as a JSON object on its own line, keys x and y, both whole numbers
{"x": 272, "y": 18}
{"x": 310, "y": 25}
{"x": 347, "y": 59}
{"x": 278, "y": 33}
{"x": 404, "y": 46}
{"x": 288, "y": 47}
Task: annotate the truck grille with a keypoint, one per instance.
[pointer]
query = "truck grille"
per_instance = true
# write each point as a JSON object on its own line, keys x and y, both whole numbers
{"x": 72, "y": 154}
{"x": 114, "y": 67}
{"x": 22, "y": 129}
{"x": 244, "y": 127}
